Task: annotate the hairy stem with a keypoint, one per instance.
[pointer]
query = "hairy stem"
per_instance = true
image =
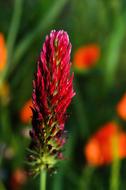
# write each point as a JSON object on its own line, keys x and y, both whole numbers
{"x": 43, "y": 180}
{"x": 115, "y": 170}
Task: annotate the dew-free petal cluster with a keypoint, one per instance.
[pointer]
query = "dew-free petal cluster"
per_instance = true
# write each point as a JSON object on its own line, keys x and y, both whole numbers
{"x": 52, "y": 94}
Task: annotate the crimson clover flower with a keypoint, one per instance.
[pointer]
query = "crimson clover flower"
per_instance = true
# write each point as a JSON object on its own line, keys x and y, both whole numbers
{"x": 52, "y": 94}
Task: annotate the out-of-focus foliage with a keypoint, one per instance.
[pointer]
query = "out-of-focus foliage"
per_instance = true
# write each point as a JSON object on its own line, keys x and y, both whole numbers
{"x": 99, "y": 89}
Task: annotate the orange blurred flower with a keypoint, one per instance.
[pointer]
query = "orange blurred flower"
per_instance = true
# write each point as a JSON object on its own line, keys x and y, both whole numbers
{"x": 26, "y": 112}
{"x": 100, "y": 148}
{"x": 86, "y": 56}
{"x": 121, "y": 107}
{"x": 18, "y": 179}
{"x": 3, "y": 52}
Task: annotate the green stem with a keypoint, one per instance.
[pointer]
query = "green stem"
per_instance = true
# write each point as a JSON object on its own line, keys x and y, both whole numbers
{"x": 43, "y": 180}
{"x": 115, "y": 170}
{"x": 113, "y": 51}
{"x": 13, "y": 34}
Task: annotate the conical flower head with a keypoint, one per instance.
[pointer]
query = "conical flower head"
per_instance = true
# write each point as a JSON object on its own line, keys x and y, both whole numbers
{"x": 52, "y": 94}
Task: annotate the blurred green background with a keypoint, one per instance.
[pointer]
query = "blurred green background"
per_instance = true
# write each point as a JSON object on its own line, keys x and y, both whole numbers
{"x": 24, "y": 25}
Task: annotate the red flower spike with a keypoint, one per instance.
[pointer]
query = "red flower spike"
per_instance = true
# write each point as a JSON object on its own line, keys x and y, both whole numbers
{"x": 52, "y": 94}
